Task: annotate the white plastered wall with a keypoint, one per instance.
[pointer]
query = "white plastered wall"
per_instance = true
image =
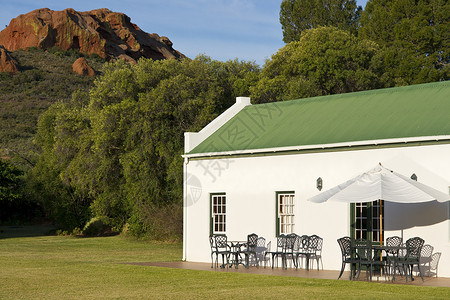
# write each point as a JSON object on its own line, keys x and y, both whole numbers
{"x": 250, "y": 184}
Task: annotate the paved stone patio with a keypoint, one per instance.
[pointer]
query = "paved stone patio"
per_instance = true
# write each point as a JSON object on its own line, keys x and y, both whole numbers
{"x": 319, "y": 274}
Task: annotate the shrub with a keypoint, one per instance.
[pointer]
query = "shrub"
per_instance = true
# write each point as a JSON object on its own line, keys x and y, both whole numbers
{"x": 97, "y": 226}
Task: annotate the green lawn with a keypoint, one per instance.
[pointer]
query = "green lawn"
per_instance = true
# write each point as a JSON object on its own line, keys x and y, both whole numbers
{"x": 55, "y": 267}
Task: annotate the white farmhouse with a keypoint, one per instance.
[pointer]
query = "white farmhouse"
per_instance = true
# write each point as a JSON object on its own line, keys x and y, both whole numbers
{"x": 243, "y": 168}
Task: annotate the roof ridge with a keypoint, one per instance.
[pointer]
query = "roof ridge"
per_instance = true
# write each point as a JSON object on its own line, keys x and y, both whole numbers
{"x": 358, "y": 93}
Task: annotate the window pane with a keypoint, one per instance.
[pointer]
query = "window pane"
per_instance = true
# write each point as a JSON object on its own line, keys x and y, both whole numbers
{"x": 286, "y": 212}
{"x": 219, "y": 209}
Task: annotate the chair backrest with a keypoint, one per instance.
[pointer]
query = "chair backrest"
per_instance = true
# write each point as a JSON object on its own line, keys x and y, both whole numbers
{"x": 345, "y": 243}
{"x": 221, "y": 242}
{"x": 269, "y": 244}
{"x": 211, "y": 242}
{"x": 425, "y": 253}
{"x": 304, "y": 243}
{"x": 290, "y": 242}
{"x": 414, "y": 247}
{"x": 251, "y": 240}
{"x": 261, "y": 242}
{"x": 435, "y": 261}
{"x": 393, "y": 241}
{"x": 315, "y": 243}
{"x": 260, "y": 248}
{"x": 281, "y": 242}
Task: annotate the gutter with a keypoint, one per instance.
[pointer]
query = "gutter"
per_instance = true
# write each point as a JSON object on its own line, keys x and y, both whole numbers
{"x": 186, "y": 161}
{"x": 318, "y": 147}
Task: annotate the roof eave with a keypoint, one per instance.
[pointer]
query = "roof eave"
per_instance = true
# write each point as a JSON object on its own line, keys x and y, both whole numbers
{"x": 437, "y": 138}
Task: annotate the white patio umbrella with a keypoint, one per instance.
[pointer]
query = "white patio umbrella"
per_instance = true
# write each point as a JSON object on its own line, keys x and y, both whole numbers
{"x": 381, "y": 183}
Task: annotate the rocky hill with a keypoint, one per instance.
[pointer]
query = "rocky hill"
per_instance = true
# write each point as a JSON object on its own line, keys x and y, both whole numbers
{"x": 109, "y": 34}
{"x": 43, "y": 78}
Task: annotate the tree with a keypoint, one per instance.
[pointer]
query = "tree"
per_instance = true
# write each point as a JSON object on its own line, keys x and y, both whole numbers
{"x": 116, "y": 153}
{"x": 296, "y": 16}
{"x": 10, "y": 180}
{"x": 414, "y": 36}
{"x": 324, "y": 61}
{"x": 15, "y": 207}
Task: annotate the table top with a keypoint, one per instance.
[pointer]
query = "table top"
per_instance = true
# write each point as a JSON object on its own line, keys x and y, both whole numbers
{"x": 384, "y": 247}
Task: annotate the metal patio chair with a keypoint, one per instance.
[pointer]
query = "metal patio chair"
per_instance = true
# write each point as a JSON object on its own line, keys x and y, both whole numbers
{"x": 279, "y": 250}
{"x": 302, "y": 250}
{"x": 213, "y": 250}
{"x": 223, "y": 249}
{"x": 345, "y": 243}
{"x": 425, "y": 257}
{"x": 413, "y": 250}
{"x": 250, "y": 249}
{"x": 363, "y": 251}
{"x": 315, "y": 246}
{"x": 391, "y": 254}
{"x": 289, "y": 252}
{"x": 434, "y": 264}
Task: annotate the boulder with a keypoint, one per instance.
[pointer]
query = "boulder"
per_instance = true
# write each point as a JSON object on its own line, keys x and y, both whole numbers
{"x": 7, "y": 62}
{"x": 101, "y": 31}
{"x": 82, "y": 67}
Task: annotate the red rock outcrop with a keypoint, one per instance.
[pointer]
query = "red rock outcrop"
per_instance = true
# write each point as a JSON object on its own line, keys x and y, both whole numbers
{"x": 101, "y": 31}
{"x": 7, "y": 62}
{"x": 82, "y": 67}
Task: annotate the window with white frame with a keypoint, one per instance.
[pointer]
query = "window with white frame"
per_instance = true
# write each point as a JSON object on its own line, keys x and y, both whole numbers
{"x": 285, "y": 212}
{"x": 218, "y": 213}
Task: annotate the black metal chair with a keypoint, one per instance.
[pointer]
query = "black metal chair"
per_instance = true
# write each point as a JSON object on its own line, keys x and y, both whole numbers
{"x": 303, "y": 250}
{"x": 264, "y": 257}
{"x": 363, "y": 251}
{"x": 222, "y": 248}
{"x": 434, "y": 264}
{"x": 315, "y": 246}
{"x": 391, "y": 254}
{"x": 261, "y": 249}
{"x": 413, "y": 250}
{"x": 425, "y": 258}
{"x": 289, "y": 252}
{"x": 213, "y": 250}
{"x": 345, "y": 243}
{"x": 250, "y": 249}
{"x": 279, "y": 250}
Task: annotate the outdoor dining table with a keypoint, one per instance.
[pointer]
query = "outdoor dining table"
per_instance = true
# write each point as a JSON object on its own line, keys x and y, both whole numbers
{"x": 376, "y": 254}
{"x": 235, "y": 247}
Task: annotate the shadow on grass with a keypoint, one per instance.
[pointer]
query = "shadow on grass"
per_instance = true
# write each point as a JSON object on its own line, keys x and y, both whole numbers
{"x": 7, "y": 232}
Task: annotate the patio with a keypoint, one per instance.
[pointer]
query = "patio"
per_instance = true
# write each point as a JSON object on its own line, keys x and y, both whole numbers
{"x": 321, "y": 274}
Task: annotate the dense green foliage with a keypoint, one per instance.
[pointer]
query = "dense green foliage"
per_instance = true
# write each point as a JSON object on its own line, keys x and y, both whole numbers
{"x": 296, "y": 16}
{"x": 15, "y": 206}
{"x": 9, "y": 181}
{"x": 325, "y": 61}
{"x": 116, "y": 152}
{"x": 414, "y": 35}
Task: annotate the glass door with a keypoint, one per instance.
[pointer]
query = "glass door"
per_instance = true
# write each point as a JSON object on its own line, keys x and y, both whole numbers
{"x": 367, "y": 221}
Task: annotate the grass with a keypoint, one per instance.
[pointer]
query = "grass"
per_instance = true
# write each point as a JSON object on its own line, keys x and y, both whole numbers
{"x": 57, "y": 267}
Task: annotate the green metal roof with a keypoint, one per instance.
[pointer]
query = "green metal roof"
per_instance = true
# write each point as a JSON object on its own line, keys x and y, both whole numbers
{"x": 402, "y": 112}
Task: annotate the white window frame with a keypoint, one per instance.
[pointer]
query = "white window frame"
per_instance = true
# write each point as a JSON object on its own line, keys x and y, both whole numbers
{"x": 285, "y": 212}
{"x": 218, "y": 213}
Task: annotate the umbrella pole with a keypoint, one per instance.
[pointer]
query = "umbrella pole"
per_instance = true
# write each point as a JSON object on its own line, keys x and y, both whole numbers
{"x": 381, "y": 223}
{"x": 381, "y": 226}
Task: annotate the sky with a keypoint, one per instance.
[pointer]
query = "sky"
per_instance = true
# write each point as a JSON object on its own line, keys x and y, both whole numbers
{"x": 248, "y": 30}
